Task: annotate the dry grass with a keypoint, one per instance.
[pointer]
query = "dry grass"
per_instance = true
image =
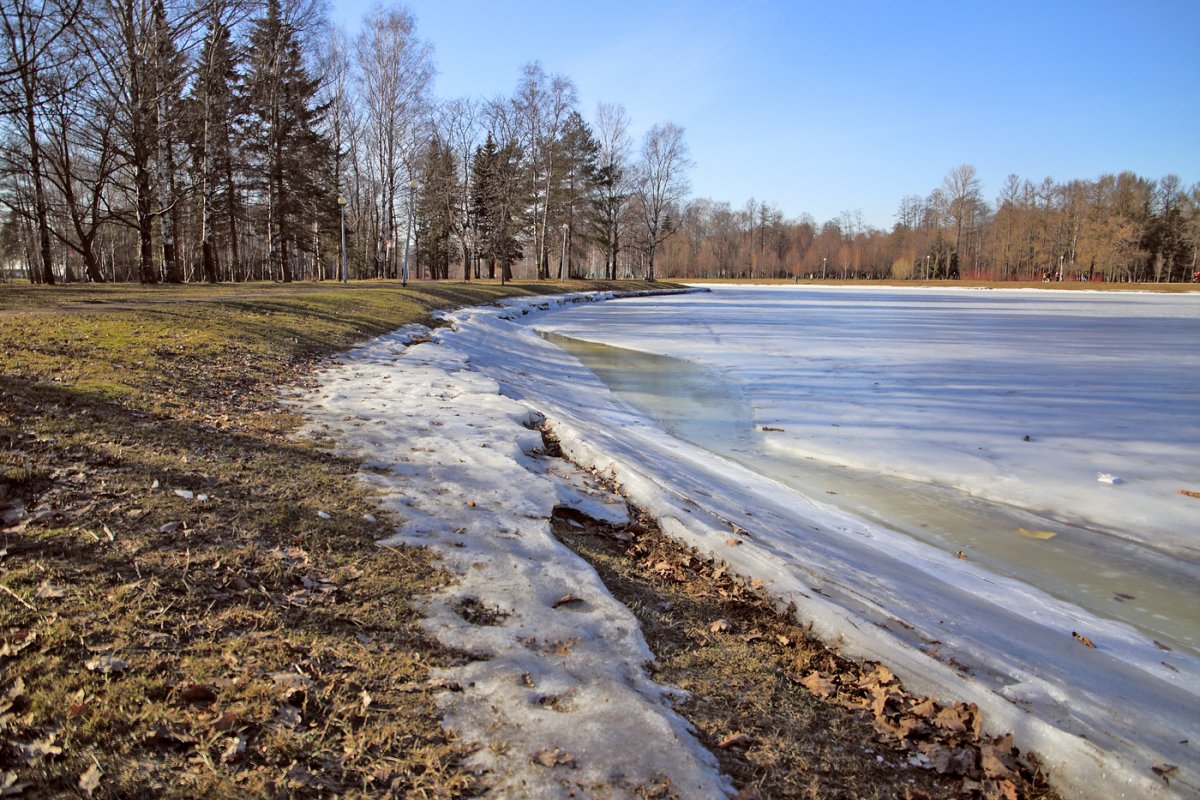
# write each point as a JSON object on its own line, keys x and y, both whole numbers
{"x": 254, "y": 642}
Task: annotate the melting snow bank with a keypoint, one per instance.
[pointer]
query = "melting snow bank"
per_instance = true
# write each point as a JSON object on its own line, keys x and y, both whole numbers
{"x": 558, "y": 699}
{"x": 1101, "y": 718}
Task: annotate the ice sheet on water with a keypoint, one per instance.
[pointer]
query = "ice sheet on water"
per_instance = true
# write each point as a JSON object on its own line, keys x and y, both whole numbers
{"x": 1101, "y": 716}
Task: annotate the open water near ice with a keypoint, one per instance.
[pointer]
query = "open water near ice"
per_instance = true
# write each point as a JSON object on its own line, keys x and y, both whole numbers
{"x": 1104, "y": 574}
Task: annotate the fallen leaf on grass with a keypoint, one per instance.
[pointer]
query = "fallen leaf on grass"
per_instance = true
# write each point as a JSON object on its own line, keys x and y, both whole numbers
{"x": 195, "y": 693}
{"x": 18, "y": 640}
{"x": 39, "y": 749}
{"x": 48, "y": 591}
{"x": 106, "y": 664}
{"x": 90, "y": 780}
{"x": 819, "y": 684}
{"x": 1085, "y": 641}
{"x": 9, "y": 787}
{"x": 732, "y": 739}
{"x": 720, "y": 626}
{"x": 552, "y": 758}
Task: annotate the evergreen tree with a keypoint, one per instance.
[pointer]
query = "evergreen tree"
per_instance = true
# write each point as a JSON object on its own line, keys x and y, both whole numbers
{"x": 577, "y": 174}
{"x": 292, "y": 154}
{"x": 494, "y": 193}
{"x": 437, "y": 204}
{"x": 213, "y": 110}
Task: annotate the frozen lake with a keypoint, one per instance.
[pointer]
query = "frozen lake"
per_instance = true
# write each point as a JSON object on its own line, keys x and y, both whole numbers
{"x": 915, "y": 473}
{"x": 912, "y": 409}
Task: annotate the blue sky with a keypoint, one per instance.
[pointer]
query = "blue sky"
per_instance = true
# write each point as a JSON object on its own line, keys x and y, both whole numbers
{"x": 828, "y": 107}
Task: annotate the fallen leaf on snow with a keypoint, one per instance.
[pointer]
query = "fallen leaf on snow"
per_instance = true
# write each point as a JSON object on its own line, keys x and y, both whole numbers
{"x": 1032, "y": 534}
{"x": 1085, "y": 641}
{"x": 552, "y": 758}
{"x": 1165, "y": 770}
{"x": 567, "y": 599}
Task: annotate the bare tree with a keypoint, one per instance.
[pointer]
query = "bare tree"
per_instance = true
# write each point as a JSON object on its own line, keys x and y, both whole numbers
{"x": 395, "y": 69}
{"x": 661, "y": 184}
{"x": 32, "y": 30}
{"x": 542, "y": 104}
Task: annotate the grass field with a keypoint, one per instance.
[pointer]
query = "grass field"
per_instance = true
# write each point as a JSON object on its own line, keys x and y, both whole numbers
{"x": 192, "y": 602}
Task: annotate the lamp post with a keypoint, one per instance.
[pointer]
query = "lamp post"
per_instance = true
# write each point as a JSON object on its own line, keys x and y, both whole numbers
{"x": 412, "y": 190}
{"x": 823, "y": 260}
{"x": 345, "y": 268}
{"x": 562, "y": 265}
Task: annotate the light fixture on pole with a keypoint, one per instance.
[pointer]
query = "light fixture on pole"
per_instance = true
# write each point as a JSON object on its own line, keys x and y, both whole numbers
{"x": 412, "y": 191}
{"x": 345, "y": 268}
{"x": 562, "y": 265}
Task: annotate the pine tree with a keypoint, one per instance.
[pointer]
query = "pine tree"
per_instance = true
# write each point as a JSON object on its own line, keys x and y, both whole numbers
{"x": 292, "y": 153}
{"x": 494, "y": 193}
{"x": 212, "y": 109}
{"x": 576, "y": 180}
{"x": 437, "y": 204}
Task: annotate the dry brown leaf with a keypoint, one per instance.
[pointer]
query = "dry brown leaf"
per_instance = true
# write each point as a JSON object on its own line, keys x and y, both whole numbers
{"x": 567, "y": 599}
{"x": 996, "y": 759}
{"x": 819, "y": 684}
{"x": 552, "y": 758}
{"x": 226, "y": 721}
{"x": 16, "y": 641}
{"x": 720, "y": 626}
{"x": 999, "y": 790}
{"x": 951, "y": 719}
{"x": 732, "y": 739}
{"x": 733, "y": 542}
{"x": 1164, "y": 770}
{"x": 195, "y": 693}
{"x": 1085, "y": 641}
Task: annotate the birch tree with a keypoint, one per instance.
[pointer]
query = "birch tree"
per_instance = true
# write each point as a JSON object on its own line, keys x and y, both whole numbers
{"x": 395, "y": 70}
{"x": 661, "y": 185}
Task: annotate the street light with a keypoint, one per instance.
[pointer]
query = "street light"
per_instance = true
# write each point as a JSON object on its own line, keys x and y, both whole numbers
{"x": 823, "y": 260}
{"x": 562, "y": 265}
{"x": 345, "y": 269}
{"x": 412, "y": 190}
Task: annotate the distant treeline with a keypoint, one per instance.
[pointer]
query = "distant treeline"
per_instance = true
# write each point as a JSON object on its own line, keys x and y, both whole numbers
{"x": 169, "y": 141}
{"x": 1115, "y": 228}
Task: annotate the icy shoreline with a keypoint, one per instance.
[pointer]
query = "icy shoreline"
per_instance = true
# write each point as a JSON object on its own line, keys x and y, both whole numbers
{"x": 1088, "y": 712}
